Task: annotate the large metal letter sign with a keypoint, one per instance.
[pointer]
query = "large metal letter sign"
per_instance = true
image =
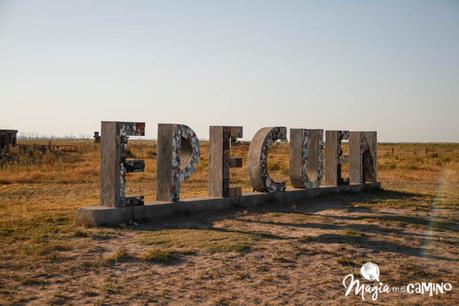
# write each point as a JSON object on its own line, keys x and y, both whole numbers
{"x": 178, "y": 155}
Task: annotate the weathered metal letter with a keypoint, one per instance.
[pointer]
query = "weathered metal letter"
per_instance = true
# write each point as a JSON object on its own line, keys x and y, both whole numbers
{"x": 258, "y": 159}
{"x": 220, "y": 162}
{"x": 178, "y": 158}
{"x": 334, "y": 157}
{"x": 362, "y": 157}
{"x": 114, "y": 165}
{"x": 306, "y": 157}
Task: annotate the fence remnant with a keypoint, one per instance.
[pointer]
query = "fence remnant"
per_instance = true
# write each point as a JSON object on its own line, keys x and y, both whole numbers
{"x": 96, "y": 137}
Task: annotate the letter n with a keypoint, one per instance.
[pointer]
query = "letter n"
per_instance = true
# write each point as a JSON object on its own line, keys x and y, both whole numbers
{"x": 362, "y": 157}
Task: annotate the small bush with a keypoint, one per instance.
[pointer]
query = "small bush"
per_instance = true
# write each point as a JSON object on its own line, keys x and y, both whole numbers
{"x": 80, "y": 234}
{"x": 119, "y": 255}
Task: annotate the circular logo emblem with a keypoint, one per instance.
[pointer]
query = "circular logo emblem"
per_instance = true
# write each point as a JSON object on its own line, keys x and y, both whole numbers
{"x": 370, "y": 271}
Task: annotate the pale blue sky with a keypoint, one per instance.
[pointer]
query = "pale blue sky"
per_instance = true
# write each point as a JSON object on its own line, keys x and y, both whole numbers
{"x": 390, "y": 66}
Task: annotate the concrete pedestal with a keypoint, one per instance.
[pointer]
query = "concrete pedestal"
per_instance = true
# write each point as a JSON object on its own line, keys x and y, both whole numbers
{"x": 100, "y": 215}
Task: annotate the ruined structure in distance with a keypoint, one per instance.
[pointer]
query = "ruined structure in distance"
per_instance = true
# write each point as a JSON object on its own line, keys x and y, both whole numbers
{"x": 8, "y": 138}
{"x": 315, "y": 168}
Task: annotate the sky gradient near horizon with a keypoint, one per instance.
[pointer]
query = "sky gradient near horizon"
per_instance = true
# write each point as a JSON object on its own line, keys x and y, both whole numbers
{"x": 390, "y": 66}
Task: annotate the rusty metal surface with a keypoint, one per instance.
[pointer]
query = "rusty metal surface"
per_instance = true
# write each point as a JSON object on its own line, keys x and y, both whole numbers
{"x": 306, "y": 157}
{"x": 334, "y": 158}
{"x": 258, "y": 159}
{"x": 363, "y": 156}
{"x": 114, "y": 162}
{"x": 178, "y": 158}
{"x": 221, "y": 139}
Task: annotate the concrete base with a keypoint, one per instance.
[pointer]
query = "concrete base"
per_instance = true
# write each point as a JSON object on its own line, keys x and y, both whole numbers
{"x": 100, "y": 215}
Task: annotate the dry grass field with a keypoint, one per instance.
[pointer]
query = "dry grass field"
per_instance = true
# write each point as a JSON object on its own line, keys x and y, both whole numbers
{"x": 290, "y": 254}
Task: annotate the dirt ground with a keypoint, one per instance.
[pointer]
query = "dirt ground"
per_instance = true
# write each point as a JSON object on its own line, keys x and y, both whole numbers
{"x": 294, "y": 254}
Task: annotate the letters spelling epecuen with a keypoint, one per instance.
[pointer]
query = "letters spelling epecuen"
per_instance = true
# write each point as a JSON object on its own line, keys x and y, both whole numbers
{"x": 313, "y": 162}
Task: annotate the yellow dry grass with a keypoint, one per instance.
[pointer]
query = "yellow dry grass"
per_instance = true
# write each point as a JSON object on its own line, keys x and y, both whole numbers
{"x": 293, "y": 254}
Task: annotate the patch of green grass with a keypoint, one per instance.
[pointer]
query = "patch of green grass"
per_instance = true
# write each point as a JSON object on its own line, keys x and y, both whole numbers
{"x": 291, "y": 217}
{"x": 34, "y": 282}
{"x": 159, "y": 255}
{"x": 199, "y": 240}
{"x": 94, "y": 234}
{"x": 44, "y": 248}
{"x": 80, "y": 234}
{"x": 6, "y": 232}
{"x": 101, "y": 235}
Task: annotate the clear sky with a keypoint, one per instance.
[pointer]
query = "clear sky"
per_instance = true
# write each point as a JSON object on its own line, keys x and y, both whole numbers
{"x": 390, "y": 66}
